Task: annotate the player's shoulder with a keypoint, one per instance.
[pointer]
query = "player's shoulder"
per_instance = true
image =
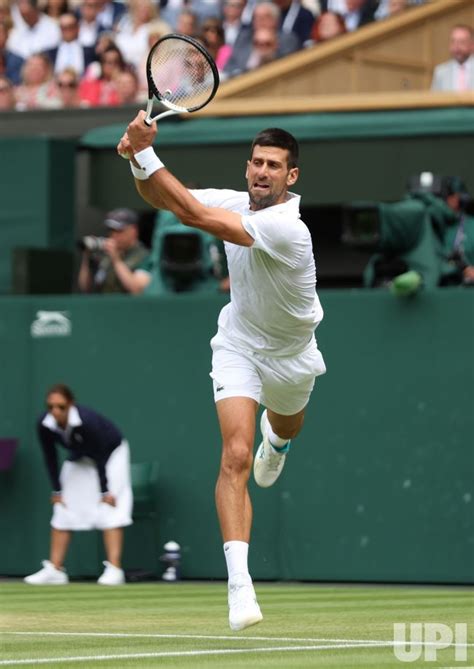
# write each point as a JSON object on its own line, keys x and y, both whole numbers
{"x": 286, "y": 214}
{"x": 222, "y": 197}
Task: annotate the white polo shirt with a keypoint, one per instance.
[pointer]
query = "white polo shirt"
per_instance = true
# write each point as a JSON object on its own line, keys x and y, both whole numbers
{"x": 25, "y": 41}
{"x": 274, "y": 308}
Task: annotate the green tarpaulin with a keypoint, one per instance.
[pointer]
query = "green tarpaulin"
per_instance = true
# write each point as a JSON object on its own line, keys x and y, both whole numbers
{"x": 306, "y": 127}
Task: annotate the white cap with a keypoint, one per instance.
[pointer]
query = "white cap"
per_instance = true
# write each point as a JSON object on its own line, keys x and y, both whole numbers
{"x": 171, "y": 546}
{"x": 426, "y": 179}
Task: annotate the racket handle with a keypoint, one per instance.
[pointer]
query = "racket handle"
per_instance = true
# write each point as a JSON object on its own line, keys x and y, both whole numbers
{"x": 149, "y": 110}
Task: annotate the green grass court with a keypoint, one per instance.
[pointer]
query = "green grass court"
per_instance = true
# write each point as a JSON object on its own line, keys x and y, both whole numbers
{"x": 185, "y": 625}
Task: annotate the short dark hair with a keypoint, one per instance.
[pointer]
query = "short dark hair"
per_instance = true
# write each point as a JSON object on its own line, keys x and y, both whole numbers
{"x": 62, "y": 389}
{"x": 281, "y": 139}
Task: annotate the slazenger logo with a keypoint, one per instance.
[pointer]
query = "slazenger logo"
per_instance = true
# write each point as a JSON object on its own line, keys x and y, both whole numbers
{"x": 51, "y": 324}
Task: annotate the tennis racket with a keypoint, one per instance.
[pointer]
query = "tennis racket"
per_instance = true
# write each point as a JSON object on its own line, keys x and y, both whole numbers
{"x": 181, "y": 75}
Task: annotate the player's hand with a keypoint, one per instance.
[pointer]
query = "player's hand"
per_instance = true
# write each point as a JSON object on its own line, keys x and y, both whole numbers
{"x": 108, "y": 498}
{"x": 110, "y": 248}
{"x": 468, "y": 274}
{"x": 141, "y": 135}
{"x": 124, "y": 148}
{"x": 57, "y": 498}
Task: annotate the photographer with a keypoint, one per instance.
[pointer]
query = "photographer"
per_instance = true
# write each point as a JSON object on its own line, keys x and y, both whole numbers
{"x": 459, "y": 236}
{"x": 118, "y": 263}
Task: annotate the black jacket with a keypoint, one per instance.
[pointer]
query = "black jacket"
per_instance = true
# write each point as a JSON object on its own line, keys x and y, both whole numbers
{"x": 96, "y": 438}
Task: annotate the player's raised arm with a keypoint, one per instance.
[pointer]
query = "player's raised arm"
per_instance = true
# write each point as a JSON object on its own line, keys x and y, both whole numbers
{"x": 163, "y": 190}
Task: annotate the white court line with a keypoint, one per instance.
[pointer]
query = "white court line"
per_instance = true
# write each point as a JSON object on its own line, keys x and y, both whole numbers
{"x": 126, "y": 635}
{"x": 186, "y": 653}
{"x": 120, "y": 635}
{"x": 329, "y": 644}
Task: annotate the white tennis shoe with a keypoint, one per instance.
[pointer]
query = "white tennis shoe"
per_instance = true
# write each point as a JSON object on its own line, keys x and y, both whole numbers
{"x": 243, "y": 607}
{"x": 268, "y": 463}
{"x": 48, "y": 575}
{"x": 112, "y": 575}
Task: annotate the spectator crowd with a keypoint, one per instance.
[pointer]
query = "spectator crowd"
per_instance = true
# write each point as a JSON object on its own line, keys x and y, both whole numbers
{"x": 58, "y": 54}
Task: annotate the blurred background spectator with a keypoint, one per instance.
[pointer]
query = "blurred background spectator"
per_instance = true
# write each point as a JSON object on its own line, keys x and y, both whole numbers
{"x": 295, "y": 19}
{"x": 132, "y": 30}
{"x": 389, "y": 8}
{"x": 127, "y": 85}
{"x": 55, "y": 8}
{"x": 459, "y": 234}
{"x": 37, "y": 84}
{"x": 10, "y": 63}
{"x": 356, "y": 13}
{"x": 5, "y": 11}
{"x": 187, "y": 23}
{"x": 66, "y": 90}
{"x": 327, "y": 26}
{"x": 266, "y": 15}
{"x": 7, "y": 95}
{"x": 102, "y": 90}
{"x": 33, "y": 32}
{"x": 70, "y": 52}
{"x": 213, "y": 38}
{"x": 457, "y": 74}
{"x": 90, "y": 26}
{"x": 104, "y": 41}
{"x": 264, "y": 49}
{"x": 110, "y": 13}
{"x": 232, "y": 21}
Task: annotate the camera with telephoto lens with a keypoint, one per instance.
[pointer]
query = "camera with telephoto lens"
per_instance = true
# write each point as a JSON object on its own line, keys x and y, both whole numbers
{"x": 92, "y": 243}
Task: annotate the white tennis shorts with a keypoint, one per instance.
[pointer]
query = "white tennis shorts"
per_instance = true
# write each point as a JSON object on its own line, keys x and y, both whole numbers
{"x": 83, "y": 508}
{"x": 282, "y": 385}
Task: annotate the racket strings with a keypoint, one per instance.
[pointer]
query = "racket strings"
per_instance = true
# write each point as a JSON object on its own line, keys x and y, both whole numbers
{"x": 182, "y": 75}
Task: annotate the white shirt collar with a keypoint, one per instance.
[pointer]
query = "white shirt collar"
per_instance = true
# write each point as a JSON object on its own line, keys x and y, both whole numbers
{"x": 292, "y": 203}
{"x": 466, "y": 65}
{"x": 73, "y": 420}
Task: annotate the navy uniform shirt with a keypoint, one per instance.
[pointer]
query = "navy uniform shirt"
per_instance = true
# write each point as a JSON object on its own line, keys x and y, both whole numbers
{"x": 88, "y": 434}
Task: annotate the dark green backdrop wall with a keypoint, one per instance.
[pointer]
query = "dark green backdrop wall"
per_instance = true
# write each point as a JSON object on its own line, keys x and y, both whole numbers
{"x": 38, "y": 208}
{"x": 378, "y": 487}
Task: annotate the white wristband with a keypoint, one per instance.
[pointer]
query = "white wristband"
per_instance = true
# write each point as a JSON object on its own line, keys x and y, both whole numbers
{"x": 138, "y": 173}
{"x": 148, "y": 161}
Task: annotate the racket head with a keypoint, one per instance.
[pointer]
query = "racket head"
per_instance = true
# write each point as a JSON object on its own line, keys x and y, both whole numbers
{"x": 181, "y": 74}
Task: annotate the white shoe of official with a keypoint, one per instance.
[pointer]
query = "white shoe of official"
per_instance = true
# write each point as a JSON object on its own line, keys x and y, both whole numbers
{"x": 243, "y": 607}
{"x": 112, "y": 575}
{"x": 268, "y": 463}
{"x": 49, "y": 575}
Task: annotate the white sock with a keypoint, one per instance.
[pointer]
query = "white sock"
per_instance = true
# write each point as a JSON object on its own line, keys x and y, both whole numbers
{"x": 273, "y": 438}
{"x": 236, "y": 557}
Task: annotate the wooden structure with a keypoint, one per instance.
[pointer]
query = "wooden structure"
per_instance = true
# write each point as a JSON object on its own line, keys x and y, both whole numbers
{"x": 387, "y": 64}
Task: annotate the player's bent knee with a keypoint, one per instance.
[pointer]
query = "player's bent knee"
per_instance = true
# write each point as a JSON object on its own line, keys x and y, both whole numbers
{"x": 236, "y": 456}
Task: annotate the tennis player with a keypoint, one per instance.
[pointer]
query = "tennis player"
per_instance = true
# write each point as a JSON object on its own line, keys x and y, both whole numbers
{"x": 264, "y": 351}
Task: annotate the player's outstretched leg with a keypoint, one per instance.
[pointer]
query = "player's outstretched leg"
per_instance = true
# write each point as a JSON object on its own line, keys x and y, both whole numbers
{"x": 234, "y": 506}
{"x": 269, "y": 459}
